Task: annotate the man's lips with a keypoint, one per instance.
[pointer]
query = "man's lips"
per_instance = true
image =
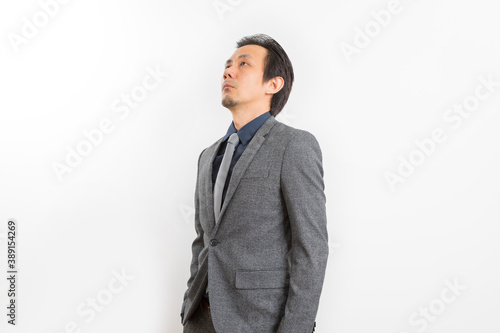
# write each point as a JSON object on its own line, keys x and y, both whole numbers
{"x": 227, "y": 86}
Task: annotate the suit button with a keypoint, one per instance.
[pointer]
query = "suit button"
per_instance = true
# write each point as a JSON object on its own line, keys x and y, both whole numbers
{"x": 214, "y": 242}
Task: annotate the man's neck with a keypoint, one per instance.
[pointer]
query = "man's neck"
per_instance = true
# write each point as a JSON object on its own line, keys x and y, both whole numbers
{"x": 241, "y": 118}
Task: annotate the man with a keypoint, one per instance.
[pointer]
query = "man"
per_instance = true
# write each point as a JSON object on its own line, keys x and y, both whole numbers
{"x": 260, "y": 254}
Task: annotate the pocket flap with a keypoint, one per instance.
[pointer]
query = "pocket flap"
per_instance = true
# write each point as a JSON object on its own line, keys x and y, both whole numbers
{"x": 258, "y": 173}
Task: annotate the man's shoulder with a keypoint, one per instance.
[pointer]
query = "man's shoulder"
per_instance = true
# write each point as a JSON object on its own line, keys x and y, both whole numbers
{"x": 297, "y": 136}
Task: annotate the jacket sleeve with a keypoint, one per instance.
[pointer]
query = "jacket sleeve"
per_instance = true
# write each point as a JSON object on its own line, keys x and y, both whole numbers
{"x": 302, "y": 188}
{"x": 197, "y": 244}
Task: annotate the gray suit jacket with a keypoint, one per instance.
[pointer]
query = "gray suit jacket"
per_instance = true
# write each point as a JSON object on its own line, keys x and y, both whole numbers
{"x": 265, "y": 258}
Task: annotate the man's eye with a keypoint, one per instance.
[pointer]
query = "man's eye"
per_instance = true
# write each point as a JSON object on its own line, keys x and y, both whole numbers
{"x": 243, "y": 62}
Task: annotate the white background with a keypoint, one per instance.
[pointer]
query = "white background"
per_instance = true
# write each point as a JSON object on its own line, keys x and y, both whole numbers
{"x": 128, "y": 205}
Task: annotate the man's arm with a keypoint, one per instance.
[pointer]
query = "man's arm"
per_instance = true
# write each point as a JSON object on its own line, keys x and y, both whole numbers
{"x": 197, "y": 244}
{"x": 302, "y": 187}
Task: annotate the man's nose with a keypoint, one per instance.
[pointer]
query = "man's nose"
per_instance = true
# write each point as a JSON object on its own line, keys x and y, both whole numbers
{"x": 227, "y": 73}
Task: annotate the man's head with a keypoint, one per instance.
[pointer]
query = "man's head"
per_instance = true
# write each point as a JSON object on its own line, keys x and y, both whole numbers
{"x": 260, "y": 73}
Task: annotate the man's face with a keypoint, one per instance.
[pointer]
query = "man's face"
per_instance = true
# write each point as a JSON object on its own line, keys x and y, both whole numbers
{"x": 244, "y": 72}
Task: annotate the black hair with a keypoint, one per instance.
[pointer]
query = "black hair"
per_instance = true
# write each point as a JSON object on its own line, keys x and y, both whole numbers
{"x": 276, "y": 63}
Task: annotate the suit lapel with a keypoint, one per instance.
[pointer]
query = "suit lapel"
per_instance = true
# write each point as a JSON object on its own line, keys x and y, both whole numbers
{"x": 207, "y": 180}
{"x": 238, "y": 170}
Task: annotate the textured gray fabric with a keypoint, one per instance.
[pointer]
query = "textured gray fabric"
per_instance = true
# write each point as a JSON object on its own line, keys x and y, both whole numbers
{"x": 200, "y": 322}
{"x": 264, "y": 258}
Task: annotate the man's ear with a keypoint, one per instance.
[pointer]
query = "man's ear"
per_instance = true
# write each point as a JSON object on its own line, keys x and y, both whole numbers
{"x": 274, "y": 85}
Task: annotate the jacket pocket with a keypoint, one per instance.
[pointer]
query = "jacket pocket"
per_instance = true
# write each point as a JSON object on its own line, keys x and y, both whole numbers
{"x": 259, "y": 279}
{"x": 256, "y": 172}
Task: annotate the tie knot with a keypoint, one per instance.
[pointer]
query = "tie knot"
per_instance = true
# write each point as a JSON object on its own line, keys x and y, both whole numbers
{"x": 233, "y": 138}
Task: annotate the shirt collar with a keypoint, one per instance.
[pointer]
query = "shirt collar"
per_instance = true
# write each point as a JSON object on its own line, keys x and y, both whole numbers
{"x": 247, "y": 132}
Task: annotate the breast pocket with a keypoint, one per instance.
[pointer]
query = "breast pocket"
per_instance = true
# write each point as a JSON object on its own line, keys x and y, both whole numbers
{"x": 256, "y": 173}
{"x": 259, "y": 279}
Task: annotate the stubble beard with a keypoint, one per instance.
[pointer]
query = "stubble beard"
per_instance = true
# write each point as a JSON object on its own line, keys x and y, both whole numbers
{"x": 229, "y": 102}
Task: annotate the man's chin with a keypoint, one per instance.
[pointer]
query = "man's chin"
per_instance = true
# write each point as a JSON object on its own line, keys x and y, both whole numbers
{"x": 229, "y": 103}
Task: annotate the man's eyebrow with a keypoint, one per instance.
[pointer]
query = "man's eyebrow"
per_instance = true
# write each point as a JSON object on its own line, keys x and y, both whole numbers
{"x": 229, "y": 61}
